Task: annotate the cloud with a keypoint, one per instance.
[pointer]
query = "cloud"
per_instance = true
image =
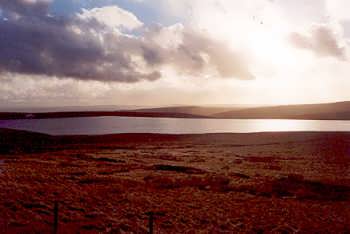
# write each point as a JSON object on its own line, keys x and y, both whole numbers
{"x": 112, "y": 16}
{"x": 82, "y": 49}
{"x": 192, "y": 51}
{"x": 93, "y": 46}
{"x": 322, "y": 40}
{"x": 25, "y": 7}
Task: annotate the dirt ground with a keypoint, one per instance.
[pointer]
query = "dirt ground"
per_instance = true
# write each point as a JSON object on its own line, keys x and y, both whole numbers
{"x": 216, "y": 183}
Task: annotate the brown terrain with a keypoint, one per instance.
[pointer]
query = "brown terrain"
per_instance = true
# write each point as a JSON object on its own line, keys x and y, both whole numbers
{"x": 50, "y": 115}
{"x": 324, "y": 111}
{"x": 215, "y": 183}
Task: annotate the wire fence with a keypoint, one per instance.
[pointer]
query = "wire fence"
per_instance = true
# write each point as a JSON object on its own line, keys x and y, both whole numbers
{"x": 151, "y": 219}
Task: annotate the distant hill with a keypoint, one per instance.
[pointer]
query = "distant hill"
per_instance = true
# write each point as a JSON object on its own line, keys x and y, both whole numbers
{"x": 51, "y": 115}
{"x": 28, "y": 109}
{"x": 328, "y": 111}
{"x": 190, "y": 110}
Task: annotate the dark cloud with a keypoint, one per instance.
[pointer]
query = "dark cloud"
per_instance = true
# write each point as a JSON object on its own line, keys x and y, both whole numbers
{"x": 38, "y": 44}
{"x": 322, "y": 40}
{"x": 25, "y": 7}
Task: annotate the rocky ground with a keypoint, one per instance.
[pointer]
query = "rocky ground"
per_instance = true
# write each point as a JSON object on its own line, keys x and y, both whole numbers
{"x": 217, "y": 183}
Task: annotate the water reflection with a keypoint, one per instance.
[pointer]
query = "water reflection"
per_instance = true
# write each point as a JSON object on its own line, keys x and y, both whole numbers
{"x": 277, "y": 125}
{"x": 109, "y": 125}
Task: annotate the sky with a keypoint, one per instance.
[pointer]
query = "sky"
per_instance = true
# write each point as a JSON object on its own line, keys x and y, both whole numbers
{"x": 173, "y": 52}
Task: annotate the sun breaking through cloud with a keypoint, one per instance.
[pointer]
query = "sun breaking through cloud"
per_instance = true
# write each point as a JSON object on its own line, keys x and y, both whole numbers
{"x": 168, "y": 52}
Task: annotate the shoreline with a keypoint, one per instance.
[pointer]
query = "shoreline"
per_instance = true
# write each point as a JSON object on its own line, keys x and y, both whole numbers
{"x": 138, "y": 114}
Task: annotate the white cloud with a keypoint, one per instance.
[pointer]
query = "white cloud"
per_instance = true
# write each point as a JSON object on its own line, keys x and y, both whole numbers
{"x": 167, "y": 37}
{"x": 322, "y": 40}
{"x": 112, "y": 16}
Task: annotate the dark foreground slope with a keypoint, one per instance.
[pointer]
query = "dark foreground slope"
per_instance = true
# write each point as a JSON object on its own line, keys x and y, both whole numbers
{"x": 216, "y": 183}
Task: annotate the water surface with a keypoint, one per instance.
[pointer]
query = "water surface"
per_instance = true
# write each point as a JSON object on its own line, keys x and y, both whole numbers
{"x": 110, "y": 125}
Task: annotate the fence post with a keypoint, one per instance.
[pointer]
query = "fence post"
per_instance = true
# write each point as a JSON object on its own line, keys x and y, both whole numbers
{"x": 150, "y": 222}
{"x": 151, "y": 217}
{"x": 55, "y": 221}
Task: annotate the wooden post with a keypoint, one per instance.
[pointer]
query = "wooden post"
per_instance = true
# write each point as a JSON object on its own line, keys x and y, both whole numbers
{"x": 150, "y": 222}
{"x": 55, "y": 221}
{"x": 151, "y": 217}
